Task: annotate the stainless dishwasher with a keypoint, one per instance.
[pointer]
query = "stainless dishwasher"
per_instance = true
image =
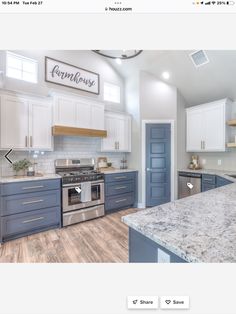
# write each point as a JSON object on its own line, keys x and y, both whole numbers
{"x": 189, "y": 183}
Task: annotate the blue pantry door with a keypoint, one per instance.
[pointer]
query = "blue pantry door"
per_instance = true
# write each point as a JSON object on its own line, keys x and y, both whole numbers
{"x": 158, "y": 157}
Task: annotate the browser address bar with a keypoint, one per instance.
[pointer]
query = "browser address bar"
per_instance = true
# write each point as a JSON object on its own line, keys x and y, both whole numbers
{"x": 117, "y": 7}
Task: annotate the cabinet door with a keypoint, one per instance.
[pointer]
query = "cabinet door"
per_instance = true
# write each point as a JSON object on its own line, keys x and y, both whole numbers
{"x": 97, "y": 117}
{"x": 109, "y": 143}
{"x": 194, "y": 130}
{"x": 14, "y": 123}
{"x": 40, "y": 126}
{"x": 65, "y": 112}
{"x": 83, "y": 115}
{"x": 123, "y": 133}
{"x": 214, "y": 120}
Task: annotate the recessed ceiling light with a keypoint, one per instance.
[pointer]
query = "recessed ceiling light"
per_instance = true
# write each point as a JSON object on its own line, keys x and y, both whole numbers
{"x": 118, "y": 61}
{"x": 166, "y": 75}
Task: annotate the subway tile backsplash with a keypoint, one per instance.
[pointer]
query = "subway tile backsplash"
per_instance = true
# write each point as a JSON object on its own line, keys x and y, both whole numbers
{"x": 64, "y": 147}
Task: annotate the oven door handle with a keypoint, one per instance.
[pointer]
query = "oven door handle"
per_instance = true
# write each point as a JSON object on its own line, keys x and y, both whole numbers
{"x": 77, "y": 184}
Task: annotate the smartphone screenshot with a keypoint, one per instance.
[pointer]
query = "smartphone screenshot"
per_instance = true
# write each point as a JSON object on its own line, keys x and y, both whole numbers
{"x": 117, "y": 157}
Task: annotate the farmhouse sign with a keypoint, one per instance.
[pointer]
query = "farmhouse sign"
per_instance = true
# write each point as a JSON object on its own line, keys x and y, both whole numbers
{"x": 65, "y": 74}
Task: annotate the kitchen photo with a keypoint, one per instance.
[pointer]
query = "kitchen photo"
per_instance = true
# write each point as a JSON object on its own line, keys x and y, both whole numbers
{"x": 118, "y": 156}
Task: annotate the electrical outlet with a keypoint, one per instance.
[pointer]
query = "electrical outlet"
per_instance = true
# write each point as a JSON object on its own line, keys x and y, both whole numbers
{"x": 204, "y": 161}
{"x": 219, "y": 162}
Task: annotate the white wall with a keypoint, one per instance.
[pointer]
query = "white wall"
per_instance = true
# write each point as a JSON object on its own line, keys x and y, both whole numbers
{"x": 157, "y": 99}
{"x": 147, "y": 99}
{"x": 183, "y": 158}
{"x": 82, "y": 58}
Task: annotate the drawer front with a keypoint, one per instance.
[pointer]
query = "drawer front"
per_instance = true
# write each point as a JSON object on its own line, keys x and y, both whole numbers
{"x": 20, "y": 203}
{"x": 30, "y": 186}
{"x": 121, "y": 201}
{"x": 207, "y": 187}
{"x": 209, "y": 179}
{"x": 117, "y": 177}
{"x": 119, "y": 188}
{"x": 29, "y": 222}
{"x": 222, "y": 181}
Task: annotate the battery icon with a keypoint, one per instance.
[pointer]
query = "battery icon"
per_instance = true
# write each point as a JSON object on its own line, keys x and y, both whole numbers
{"x": 230, "y": 3}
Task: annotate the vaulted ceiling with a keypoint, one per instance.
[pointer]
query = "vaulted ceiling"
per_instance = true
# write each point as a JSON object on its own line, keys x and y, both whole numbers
{"x": 214, "y": 80}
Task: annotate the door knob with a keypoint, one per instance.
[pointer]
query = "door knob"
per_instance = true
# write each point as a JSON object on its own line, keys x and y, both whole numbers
{"x": 148, "y": 169}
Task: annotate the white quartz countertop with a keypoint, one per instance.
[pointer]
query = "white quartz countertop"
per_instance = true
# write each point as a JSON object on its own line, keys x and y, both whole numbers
{"x": 118, "y": 171}
{"x": 26, "y": 178}
{"x": 198, "y": 228}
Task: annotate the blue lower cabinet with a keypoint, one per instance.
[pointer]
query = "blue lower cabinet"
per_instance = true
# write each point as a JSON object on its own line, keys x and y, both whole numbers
{"x": 18, "y": 225}
{"x": 222, "y": 181}
{"x": 29, "y": 207}
{"x": 30, "y": 186}
{"x": 14, "y": 204}
{"x": 208, "y": 182}
{"x": 144, "y": 250}
{"x": 207, "y": 187}
{"x": 120, "y": 191}
{"x": 120, "y": 201}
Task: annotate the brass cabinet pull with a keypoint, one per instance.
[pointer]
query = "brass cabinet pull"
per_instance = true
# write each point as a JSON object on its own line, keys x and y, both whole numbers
{"x": 121, "y": 177}
{"x": 26, "y": 141}
{"x": 32, "y": 202}
{"x": 33, "y": 187}
{"x": 118, "y": 143}
{"x": 31, "y": 220}
{"x": 31, "y": 141}
{"x": 123, "y": 200}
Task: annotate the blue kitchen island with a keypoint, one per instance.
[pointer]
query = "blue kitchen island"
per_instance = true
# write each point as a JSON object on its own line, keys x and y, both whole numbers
{"x": 199, "y": 228}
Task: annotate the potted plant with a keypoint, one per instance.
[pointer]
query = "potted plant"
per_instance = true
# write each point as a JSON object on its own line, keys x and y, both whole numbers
{"x": 21, "y": 166}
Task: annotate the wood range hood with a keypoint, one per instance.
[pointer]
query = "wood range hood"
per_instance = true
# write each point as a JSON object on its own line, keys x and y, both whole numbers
{"x": 61, "y": 130}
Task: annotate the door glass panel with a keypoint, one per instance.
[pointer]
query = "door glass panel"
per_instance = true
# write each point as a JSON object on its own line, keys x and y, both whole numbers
{"x": 96, "y": 192}
{"x": 74, "y": 196}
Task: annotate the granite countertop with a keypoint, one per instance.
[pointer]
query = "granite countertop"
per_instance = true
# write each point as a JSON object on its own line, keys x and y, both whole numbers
{"x": 26, "y": 178}
{"x": 198, "y": 228}
{"x": 119, "y": 171}
{"x": 221, "y": 173}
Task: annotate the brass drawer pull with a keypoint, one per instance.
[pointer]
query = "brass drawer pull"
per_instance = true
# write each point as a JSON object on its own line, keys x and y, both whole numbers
{"x": 31, "y": 220}
{"x": 121, "y": 177}
{"x": 33, "y": 187}
{"x": 123, "y": 200}
{"x": 120, "y": 187}
{"x": 32, "y": 202}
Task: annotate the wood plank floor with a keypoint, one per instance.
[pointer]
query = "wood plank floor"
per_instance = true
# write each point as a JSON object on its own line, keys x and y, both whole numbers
{"x": 102, "y": 240}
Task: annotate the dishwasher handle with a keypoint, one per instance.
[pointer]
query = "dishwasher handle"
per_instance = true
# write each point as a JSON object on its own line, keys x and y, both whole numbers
{"x": 190, "y": 174}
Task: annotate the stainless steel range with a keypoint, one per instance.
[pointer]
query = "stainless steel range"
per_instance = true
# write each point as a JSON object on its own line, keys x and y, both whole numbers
{"x": 82, "y": 190}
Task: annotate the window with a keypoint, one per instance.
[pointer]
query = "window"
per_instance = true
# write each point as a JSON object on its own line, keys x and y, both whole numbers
{"x": 111, "y": 92}
{"x": 21, "y": 68}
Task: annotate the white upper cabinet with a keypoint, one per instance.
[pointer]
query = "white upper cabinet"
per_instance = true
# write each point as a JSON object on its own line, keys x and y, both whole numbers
{"x": 40, "y": 128}
{"x": 77, "y": 111}
{"x": 206, "y": 126}
{"x": 97, "y": 117}
{"x": 118, "y": 128}
{"x": 65, "y": 113}
{"x": 14, "y": 122}
{"x": 25, "y": 123}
